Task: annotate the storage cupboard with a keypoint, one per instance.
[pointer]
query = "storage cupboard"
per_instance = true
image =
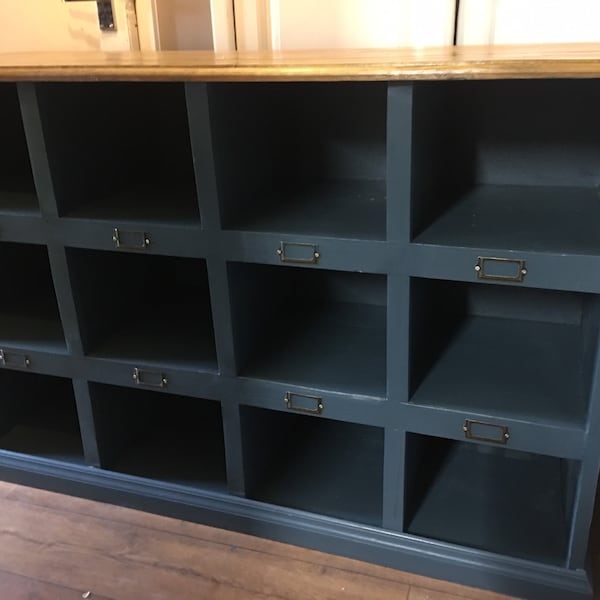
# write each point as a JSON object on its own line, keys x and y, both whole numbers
{"x": 348, "y": 301}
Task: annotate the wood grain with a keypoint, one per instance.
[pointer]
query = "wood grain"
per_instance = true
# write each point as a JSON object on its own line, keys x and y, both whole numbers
{"x": 16, "y": 587}
{"x": 132, "y": 562}
{"x": 122, "y": 553}
{"x": 448, "y": 62}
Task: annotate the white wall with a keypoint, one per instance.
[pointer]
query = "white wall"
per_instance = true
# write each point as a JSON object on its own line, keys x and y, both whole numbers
{"x": 528, "y": 21}
{"x": 317, "y": 24}
{"x": 55, "y": 25}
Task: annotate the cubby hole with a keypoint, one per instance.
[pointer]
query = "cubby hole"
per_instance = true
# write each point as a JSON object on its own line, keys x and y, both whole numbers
{"x": 492, "y": 498}
{"x": 501, "y": 350}
{"x": 17, "y": 188}
{"x": 313, "y": 464}
{"x": 29, "y": 316}
{"x": 38, "y": 416}
{"x": 308, "y": 158}
{"x": 507, "y": 164}
{"x": 134, "y": 307}
{"x": 175, "y": 439}
{"x": 319, "y": 328}
{"x": 120, "y": 151}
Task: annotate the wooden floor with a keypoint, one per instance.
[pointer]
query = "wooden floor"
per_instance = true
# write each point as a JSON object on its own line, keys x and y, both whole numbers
{"x": 55, "y": 547}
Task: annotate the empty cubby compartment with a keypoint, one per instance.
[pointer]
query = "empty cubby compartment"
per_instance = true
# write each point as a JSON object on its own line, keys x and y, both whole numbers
{"x": 29, "y": 316}
{"x": 134, "y": 307}
{"x": 38, "y": 416}
{"x": 119, "y": 151}
{"x": 503, "y": 350}
{"x": 17, "y": 189}
{"x": 313, "y": 464}
{"x": 319, "y": 328}
{"x": 516, "y": 163}
{"x": 175, "y": 439}
{"x": 307, "y": 157}
{"x": 503, "y": 501}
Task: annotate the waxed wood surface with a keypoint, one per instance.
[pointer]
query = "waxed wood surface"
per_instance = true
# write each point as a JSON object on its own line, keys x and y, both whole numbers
{"x": 55, "y": 547}
{"x": 447, "y": 62}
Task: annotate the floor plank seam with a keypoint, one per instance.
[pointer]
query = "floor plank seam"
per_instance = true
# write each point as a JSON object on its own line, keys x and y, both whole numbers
{"x": 215, "y": 542}
{"x": 51, "y": 583}
{"x": 249, "y": 548}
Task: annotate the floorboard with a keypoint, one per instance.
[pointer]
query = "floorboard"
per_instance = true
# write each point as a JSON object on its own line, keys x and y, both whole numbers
{"x": 16, "y": 587}
{"x": 56, "y": 546}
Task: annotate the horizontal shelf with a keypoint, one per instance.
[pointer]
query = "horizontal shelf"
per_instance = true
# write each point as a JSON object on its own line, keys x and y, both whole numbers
{"x": 148, "y": 175}
{"x": 316, "y": 465}
{"x": 345, "y": 209}
{"x": 293, "y": 325}
{"x": 38, "y": 417}
{"x": 167, "y": 335}
{"x": 502, "y": 351}
{"x": 17, "y": 200}
{"x": 534, "y": 218}
{"x": 149, "y": 202}
{"x": 504, "y": 367}
{"x": 163, "y": 437}
{"x": 337, "y": 346}
{"x": 511, "y": 503}
{"x": 308, "y": 158}
{"x": 31, "y": 331}
{"x": 17, "y": 189}
{"x": 144, "y": 309}
{"x": 516, "y": 168}
{"x": 29, "y": 315}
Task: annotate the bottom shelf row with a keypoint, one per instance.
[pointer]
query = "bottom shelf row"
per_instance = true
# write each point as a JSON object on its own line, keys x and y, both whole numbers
{"x": 509, "y": 502}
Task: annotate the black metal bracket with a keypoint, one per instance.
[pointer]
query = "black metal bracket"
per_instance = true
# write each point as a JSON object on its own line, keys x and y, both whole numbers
{"x": 106, "y": 17}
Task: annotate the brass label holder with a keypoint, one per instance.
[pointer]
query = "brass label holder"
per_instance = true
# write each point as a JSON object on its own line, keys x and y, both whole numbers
{"x": 473, "y": 431}
{"x": 302, "y": 403}
{"x": 298, "y": 253}
{"x": 130, "y": 240}
{"x": 149, "y": 379}
{"x": 484, "y": 262}
{"x": 14, "y": 360}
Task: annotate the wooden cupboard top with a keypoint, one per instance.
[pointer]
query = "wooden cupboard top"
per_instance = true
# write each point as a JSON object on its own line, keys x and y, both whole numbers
{"x": 450, "y": 62}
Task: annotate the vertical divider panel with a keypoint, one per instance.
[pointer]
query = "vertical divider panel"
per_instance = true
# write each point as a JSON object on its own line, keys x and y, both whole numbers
{"x": 32, "y": 123}
{"x": 87, "y": 424}
{"x": 198, "y": 110}
{"x": 65, "y": 297}
{"x": 399, "y": 169}
{"x": 397, "y": 385}
{"x": 398, "y": 327}
{"x": 399, "y": 160}
{"x": 201, "y": 142}
{"x": 393, "y": 478}
{"x": 222, "y": 322}
{"x": 234, "y": 459}
{"x": 221, "y": 308}
{"x": 583, "y": 503}
{"x": 206, "y": 184}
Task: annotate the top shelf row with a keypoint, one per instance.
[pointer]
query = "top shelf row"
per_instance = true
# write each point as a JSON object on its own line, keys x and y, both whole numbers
{"x": 502, "y": 164}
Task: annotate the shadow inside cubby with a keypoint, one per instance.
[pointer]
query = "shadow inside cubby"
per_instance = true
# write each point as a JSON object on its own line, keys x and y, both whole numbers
{"x": 153, "y": 309}
{"x": 314, "y": 464}
{"x": 175, "y": 439}
{"x": 492, "y": 498}
{"x": 17, "y": 189}
{"x": 516, "y": 167}
{"x": 500, "y": 350}
{"x": 120, "y": 151}
{"x": 323, "y": 329}
{"x": 29, "y": 315}
{"x": 305, "y": 158}
{"x": 38, "y": 416}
